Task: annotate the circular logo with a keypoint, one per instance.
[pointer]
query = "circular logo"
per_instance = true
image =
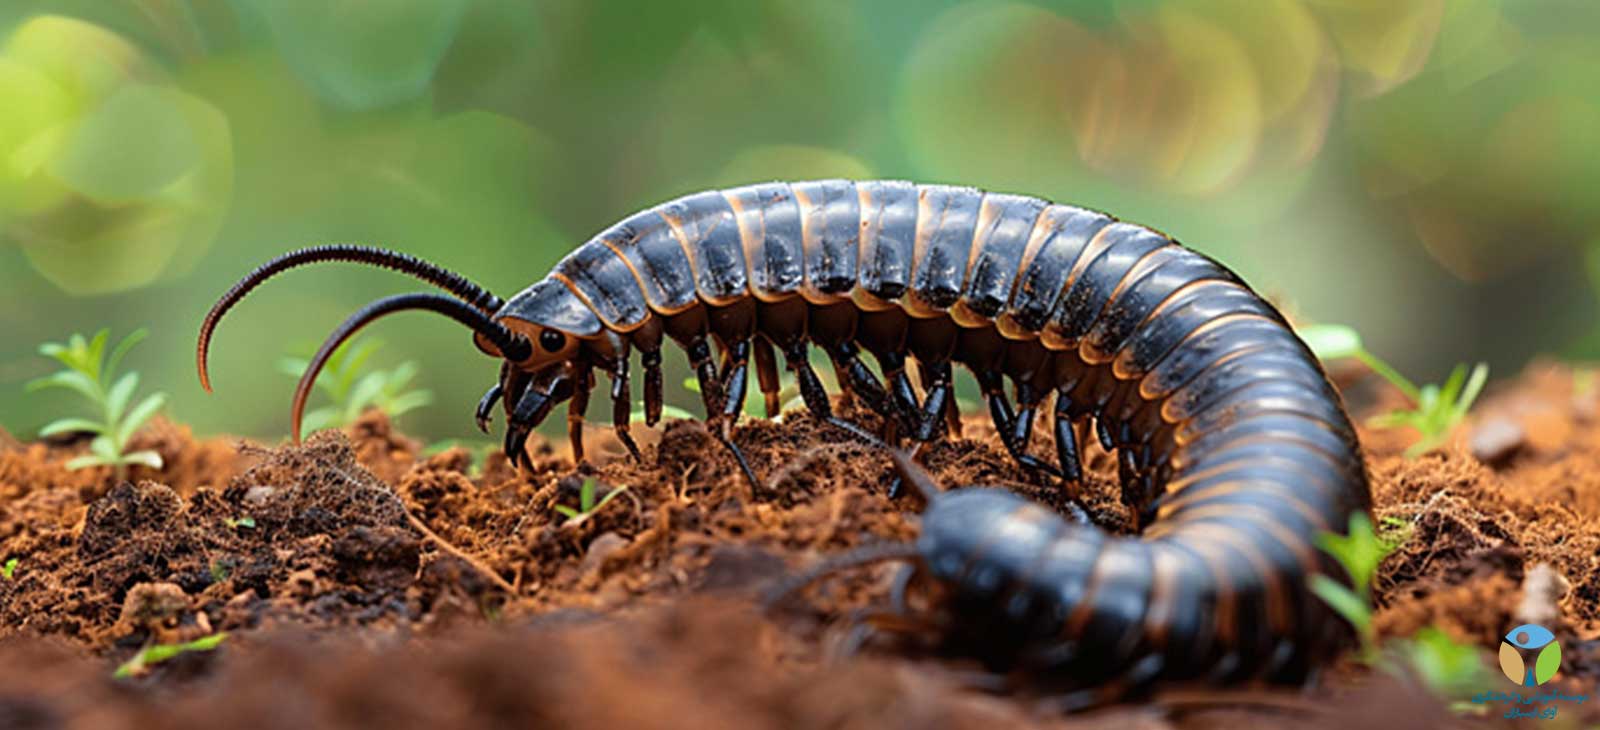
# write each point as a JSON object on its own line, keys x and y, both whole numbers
{"x": 1529, "y": 655}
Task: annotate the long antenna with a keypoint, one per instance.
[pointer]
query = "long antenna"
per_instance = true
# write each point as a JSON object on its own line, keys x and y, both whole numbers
{"x": 511, "y": 344}
{"x": 439, "y": 276}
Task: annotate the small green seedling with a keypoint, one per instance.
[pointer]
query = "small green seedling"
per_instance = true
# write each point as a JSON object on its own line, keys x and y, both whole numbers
{"x": 246, "y": 523}
{"x": 353, "y": 392}
{"x": 158, "y": 653}
{"x": 1359, "y": 552}
{"x": 1443, "y": 664}
{"x": 587, "y": 506}
{"x": 1449, "y": 667}
{"x": 1437, "y": 409}
{"x": 92, "y": 374}
{"x": 10, "y": 568}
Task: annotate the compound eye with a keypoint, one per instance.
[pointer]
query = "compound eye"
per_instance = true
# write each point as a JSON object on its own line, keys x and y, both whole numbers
{"x": 552, "y": 340}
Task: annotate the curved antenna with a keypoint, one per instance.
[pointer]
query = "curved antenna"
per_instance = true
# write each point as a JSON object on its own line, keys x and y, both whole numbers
{"x": 441, "y": 277}
{"x": 864, "y": 555}
{"x": 511, "y": 344}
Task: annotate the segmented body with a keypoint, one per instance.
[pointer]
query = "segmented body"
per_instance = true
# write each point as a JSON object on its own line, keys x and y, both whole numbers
{"x": 1234, "y": 451}
{"x": 1233, "y": 446}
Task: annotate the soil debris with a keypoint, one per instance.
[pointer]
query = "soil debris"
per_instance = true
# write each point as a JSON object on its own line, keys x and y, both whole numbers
{"x": 374, "y": 582}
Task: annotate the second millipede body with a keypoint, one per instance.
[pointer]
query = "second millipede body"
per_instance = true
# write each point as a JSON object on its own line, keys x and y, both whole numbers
{"x": 1233, "y": 449}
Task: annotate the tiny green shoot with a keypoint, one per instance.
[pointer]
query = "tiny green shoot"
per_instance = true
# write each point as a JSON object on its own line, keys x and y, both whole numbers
{"x": 1360, "y": 551}
{"x": 1436, "y": 409}
{"x": 352, "y": 390}
{"x": 1447, "y": 666}
{"x": 246, "y": 523}
{"x": 1443, "y": 664}
{"x": 158, "y": 653}
{"x": 92, "y": 373}
{"x": 10, "y": 568}
{"x": 219, "y": 571}
{"x": 587, "y": 505}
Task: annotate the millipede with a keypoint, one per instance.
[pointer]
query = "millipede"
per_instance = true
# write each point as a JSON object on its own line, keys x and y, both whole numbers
{"x": 1232, "y": 448}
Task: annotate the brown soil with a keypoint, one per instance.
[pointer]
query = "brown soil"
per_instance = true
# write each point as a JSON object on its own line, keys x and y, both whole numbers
{"x": 360, "y": 582}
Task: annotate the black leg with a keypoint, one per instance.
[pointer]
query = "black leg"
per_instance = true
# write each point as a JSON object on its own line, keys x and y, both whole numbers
{"x": 622, "y": 406}
{"x": 1067, "y": 454}
{"x": 798, "y": 360}
{"x": 859, "y": 377}
{"x": 931, "y": 377}
{"x": 903, "y": 396}
{"x": 1102, "y": 429}
{"x": 650, "y": 360}
{"x": 485, "y": 412}
{"x": 1014, "y": 429}
{"x": 706, "y": 373}
{"x": 732, "y": 383}
{"x": 938, "y": 383}
{"x": 735, "y": 380}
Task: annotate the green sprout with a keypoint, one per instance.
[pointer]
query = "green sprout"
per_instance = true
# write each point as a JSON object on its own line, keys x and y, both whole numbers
{"x": 157, "y": 653}
{"x": 1442, "y": 663}
{"x": 1437, "y": 409}
{"x": 92, "y": 374}
{"x": 353, "y": 392}
{"x": 248, "y": 523}
{"x": 10, "y": 568}
{"x": 587, "y": 506}
{"x": 1359, "y": 552}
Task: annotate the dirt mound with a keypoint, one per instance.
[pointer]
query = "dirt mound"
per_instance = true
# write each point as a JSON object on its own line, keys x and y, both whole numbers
{"x": 360, "y": 576}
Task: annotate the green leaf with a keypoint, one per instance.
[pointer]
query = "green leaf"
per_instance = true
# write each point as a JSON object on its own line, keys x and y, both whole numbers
{"x": 70, "y": 425}
{"x": 145, "y": 458}
{"x": 10, "y": 568}
{"x": 91, "y": 353}
{"x": 1446, "y": 666}
{"x": 1475, "y": 383}
{"x": 70, "y": 379}
{"x": 140, "y": 414}
{"x": 353, "y": 356}
{"x": 1343, "y": 601}
{"x": 86, "y": 461}
{"x": 319, "y": 419}
{"x": 1331, "y": 341}
{"x": 586, "y": 495}
{"x": 568, "y": 511}
{"x": 122, "y": 348}
{"x": 293, "y": 367}
{"x": 1360, "y": 551}
{"x": 117, "y": 397}
{"x": 407, "y": 402}
{"x": 103, "y": 447}
{"x": 364, "y": 394}
{"x": 157, "y": 653}
{"x": 613, "y": 494}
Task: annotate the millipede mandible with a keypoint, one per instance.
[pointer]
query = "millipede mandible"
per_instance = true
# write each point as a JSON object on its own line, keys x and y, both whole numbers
{"x": 1232, "y": 447}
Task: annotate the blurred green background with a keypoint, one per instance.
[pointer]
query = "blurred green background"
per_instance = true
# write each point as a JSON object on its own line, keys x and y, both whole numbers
{"x": 1422, "y": 169}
